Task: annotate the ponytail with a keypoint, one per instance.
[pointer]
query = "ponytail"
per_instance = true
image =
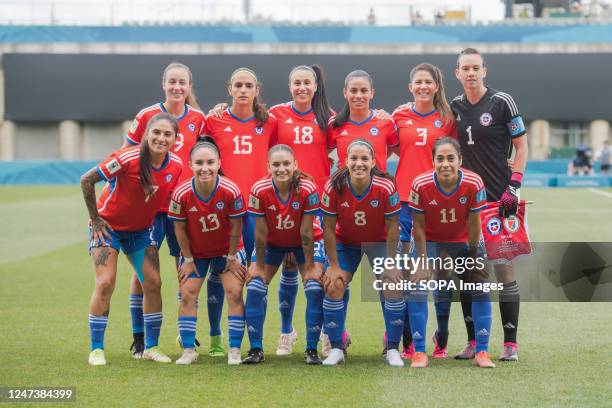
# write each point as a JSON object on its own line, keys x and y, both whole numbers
{"x": 345, "y": 113}
{"x": 146, "y": 179}
{"x": 260, "y": 111}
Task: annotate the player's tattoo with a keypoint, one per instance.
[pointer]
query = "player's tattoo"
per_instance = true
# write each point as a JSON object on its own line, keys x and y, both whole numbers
{"x": 101, "y": 257}
{"x": 152, "y": 255}
{"x": 88, "y": 183}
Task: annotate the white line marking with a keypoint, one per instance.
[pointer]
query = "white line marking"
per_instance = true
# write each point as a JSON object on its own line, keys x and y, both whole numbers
{"x": 600, "y": 192}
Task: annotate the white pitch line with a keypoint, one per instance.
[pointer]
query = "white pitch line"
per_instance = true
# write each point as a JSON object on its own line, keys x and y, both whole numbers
{"x": 603, "y": 193}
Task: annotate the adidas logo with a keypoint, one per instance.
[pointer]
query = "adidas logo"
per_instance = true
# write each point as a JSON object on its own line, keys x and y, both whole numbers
{"x": 344, "y": 133}
{"x": 289, "y": 121}
{"x": 458, "y": 118}
{"x": 193, "y": 209}
{"x": 213, "y": 299}
{"x": 284, "y": 305}
{"x": 227, "y": 129}
{"x": 314, "y": 329}
{"x": 345, "y": 204}
{"x": 433, "y": 202}
{"x": 417, "y": 336}
{"x": 272, "y": 207}
{"x": 408, "y": 122}
{"x": 468, "y": 319}
{"x": 251, "y": 329}
{"x": 509, "y": 326}
{"x": 483, "y": 332}
{"x": 332, "y": 325}
{"x": 398, "y": 322}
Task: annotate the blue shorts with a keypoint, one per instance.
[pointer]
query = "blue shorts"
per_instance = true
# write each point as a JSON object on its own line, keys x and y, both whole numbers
{"x": 214, "y": 265}
{"x": 164, "y": 228}
{"x": 350, "y": 256}
{"x": 248, "y": 234}
{"x": 405, "y": 221}
{"x": 275, "y": 255}
{"x": 126, "y": 241}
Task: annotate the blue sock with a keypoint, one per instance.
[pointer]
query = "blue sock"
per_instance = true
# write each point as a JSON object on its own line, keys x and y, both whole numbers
{"x": 215, "y": 293}
{"x": 417, "y": 309}
{"x": 314, "y": 312}
{"x": 393, "y": 313}
{"x": 255, "y": 310}
{"x": 136, "y": 313}
{"x": 153, "y": 322}
{"x": 97, "y": 327}
{"x": 235, "y": 329}
{"x": 287, "y": 292}
{"x": 334, "y": 318}
{"x": 187, "y": 330}
{"x": 481, "y": 313}
{"x": 442, "y": 301}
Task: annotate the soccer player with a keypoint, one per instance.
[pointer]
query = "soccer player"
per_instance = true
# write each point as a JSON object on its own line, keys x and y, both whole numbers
{"x": 357, "y": 121}
{"x": 207, "y": 210}
{"x": 419, "y": 125}
{"x": 244, "y": 133}
{"x": 446, "y": 204}
{"x": 489, "y": 126}
{"x": 139, "y": 182}
{"x": 361, "y": 205}
{"x": 284, "y": 206}
{"x": 181, "y": 102}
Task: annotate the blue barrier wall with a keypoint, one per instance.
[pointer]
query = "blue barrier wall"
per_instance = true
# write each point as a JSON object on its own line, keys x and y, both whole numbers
{"x": 581, "y": 33}
{"x": 539, "y": 173}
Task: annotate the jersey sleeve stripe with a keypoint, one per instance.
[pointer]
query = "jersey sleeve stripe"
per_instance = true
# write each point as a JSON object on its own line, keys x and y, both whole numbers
{"x": 256, "y": 213}
{"x": 458, "y": 98}
{"x": 312, "y": 211}
{"x": 145, "y": 110}
{"x": 238, "y": 215}
{"x": 419, "y": 210}
{"x": 327, "y": 212}
{"x": 175, "y": 218}
{"x": 389, "y": 214}
{"x": 131, "y": 141}
{"x": 101, "y": 173}
{"x": 229, "y": 186}
{"x": 134, "y": 151}
{"x": 181, "y": 191}
{"x": 509, "y": 101}
{"x": 477, "y": 209}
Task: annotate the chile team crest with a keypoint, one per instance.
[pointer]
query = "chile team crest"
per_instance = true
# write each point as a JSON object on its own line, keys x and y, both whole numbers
{"x": 512, "y": 224}
{"x": 374, "y": 203}
{"x": 259, "y": 130}
{"x": 374, "y": 131}
{"x": 486, "y": 119}
{"x": 494, "y": 226}
{"x": 168, "y": 178}
{"x": 295, "y": 205}
{"x": 191, "y": 127}
{"x": 438, "y": 123}
{"x": 220, "y": 205}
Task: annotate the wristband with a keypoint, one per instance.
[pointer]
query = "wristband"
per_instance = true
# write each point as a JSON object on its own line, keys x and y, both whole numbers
{"x": 229, "y": 257}
{"x": 188, "y": 259}
{"x": 516, "y": 179}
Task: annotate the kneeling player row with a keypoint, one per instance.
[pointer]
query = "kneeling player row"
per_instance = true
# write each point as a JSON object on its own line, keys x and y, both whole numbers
{"x": 360, "y": 204}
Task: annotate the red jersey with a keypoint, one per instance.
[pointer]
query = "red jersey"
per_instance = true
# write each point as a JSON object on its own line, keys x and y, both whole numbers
{"x": 309, "y": 143}
{"x": 243, "y": 147}
{"x": 446, "y": 215}
{"x": 417, "y": 136}
{"x": 208, "y": 218}
{"x": 284, "y": 218}
{"x": 361, "y": 218}
{"x": 381, "y": 133}
{"x": 123, "y": 203}
{"x": 191, "y": 125}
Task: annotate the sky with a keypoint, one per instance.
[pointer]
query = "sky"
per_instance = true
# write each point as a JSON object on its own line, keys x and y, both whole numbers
{"x": 388, "y": 12}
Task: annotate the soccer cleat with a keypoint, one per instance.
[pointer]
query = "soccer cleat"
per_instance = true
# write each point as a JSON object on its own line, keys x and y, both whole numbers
{"x": 468, "y": 352}
{"x": 233, "y": 356}
{"x": 311, "y": 357}
{"x": 285, "y": 343}
{"x": 325, "y": 344}
{"x": 179, "y": 343}
{"x": 137, "y": 346}
{"x": 255, "y": 356}
{"x": 346, "y": 341}
{"x": 96, "y": 358}
{"x": 419, "y": 360}
{"x": 439, "y": 352}
{"x": 393, "y": 358}
{"x": 155, "y": 354}
{"x": 335, "y": 357}
{"x": 408, "y": 352}
{"x": 509, "y": 352}
{"x": 216, "y": 346}
{"x": 189, "y": 356}
{"x": 482, "y": 360}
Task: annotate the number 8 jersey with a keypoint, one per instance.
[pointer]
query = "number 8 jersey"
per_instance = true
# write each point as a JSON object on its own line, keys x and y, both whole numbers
{"x": 361, "y": 218}
{"x": 446, "y": 215}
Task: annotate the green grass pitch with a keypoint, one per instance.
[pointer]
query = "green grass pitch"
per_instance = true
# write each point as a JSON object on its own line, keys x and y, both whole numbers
{"x": 47, "y": 279}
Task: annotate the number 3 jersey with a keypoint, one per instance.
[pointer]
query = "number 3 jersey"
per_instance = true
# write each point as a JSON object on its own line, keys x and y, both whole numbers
{"x": 446, "y": 214}
{"x": 243, "y": 146}
{"x": 208, "y": 218}
{"x": 301, "y": 131}
{"x": 485, "y": 131}
{"x": 361, "y": 218}
{"x": 284, "y": 218}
